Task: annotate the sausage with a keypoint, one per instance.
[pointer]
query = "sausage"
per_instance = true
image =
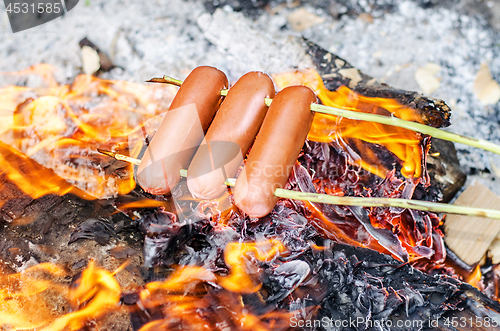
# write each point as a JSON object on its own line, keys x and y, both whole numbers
{"x": 230, "y": 135}
{"x": 275, "y": 150}
{"x": 181, "y": 130}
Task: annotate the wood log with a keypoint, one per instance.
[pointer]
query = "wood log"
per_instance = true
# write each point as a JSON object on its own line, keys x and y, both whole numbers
{"x": 470, "y": 237}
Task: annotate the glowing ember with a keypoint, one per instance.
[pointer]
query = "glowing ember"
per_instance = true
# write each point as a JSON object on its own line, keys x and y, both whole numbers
{"x": 405, "y": 144}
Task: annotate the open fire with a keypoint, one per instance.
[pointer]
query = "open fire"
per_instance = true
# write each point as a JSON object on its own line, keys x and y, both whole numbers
{"x": 61, "y": 126}
{"x": 219, "y": 269}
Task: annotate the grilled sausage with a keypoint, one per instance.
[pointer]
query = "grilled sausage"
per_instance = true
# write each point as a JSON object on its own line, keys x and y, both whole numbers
{"x": 181, "y": 130}
{"x": 275, "y": 150}
{"x": 230, "y": 135}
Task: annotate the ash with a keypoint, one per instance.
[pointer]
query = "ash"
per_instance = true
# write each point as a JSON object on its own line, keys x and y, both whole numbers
{"x": 344, "y": 287}
{"x": 388, "y": 40}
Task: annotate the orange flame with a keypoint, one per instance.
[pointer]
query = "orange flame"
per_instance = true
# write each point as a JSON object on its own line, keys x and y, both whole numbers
{"x": 183, "y": 298}
{"x": 24, "y": 298}
{"x": 182, "y": 281}
{"x": 405, "y": 144}
{"x": 236, "y": 257}
{"x": 98, "y": 291}
{"x": 31, "y": 178}
{"x": 475, "y": 278}
{"x": 21, "y": 297}
{"x": 143, "y": 203}
{"x": 61, "y": 126}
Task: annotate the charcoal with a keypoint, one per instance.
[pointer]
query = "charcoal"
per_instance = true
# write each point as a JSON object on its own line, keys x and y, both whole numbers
{"x": 424, "y": 298}
{"x": 122, "y": 252}
{"x": 12, "y": 250}
{"x": 15, "y": 200}
{"x": 286, "y": 278}
{"x": 105, "y": 63}
{"x": 167, "y": 241}
{"x": 79, "y": 264}
{"x": 252, "y": 8}
{"x": 130, "y": 298}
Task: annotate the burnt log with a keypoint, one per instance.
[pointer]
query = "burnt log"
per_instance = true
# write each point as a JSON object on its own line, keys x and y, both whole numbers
{"x": 337, "y": 72}
{"x": 443, "y": 166}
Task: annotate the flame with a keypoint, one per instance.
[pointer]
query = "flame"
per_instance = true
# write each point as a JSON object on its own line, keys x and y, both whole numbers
{"x": 61, "y": 126}
{"x": 98, "y": 291}
{"x": 45, "y": 71}
{"x": 475, "y": 278}
{"x": 185, "y": 300}
{"x": 21, "y": 296}
{"x": 31, "y": 178}
{"x": 25, "y": 298}
{"x": 236, "y": 257}
{"x": 405, "y": 144}
{"x": 183, "y": 280}
{"x": 143, "y": 203}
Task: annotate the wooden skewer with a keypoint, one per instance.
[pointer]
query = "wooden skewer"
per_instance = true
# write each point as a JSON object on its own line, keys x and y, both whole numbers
{"x": 388, "y": 202}
{"x": 120, "y": 157}
{"x": 388, "y": 120}
{"x": 352, "y": 201}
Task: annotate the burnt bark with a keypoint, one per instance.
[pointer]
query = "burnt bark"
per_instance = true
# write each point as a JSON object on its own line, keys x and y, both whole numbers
{"x": 444, "y": 170}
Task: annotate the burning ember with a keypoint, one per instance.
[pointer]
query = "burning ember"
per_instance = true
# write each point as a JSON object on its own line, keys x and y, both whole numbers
{"x": 212, "y": 266}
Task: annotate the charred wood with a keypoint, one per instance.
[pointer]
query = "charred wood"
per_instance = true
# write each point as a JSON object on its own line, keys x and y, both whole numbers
{"x": 444, "y": 170}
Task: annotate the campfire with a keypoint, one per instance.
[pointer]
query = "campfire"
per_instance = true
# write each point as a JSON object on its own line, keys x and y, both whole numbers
{"x": 85, "y": 247}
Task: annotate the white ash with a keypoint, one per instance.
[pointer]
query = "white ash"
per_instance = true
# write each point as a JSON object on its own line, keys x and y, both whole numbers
{"x": 152, "y": 38}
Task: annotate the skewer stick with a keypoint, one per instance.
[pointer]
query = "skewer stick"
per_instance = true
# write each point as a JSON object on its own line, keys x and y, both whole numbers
{"x": 353, "y": 201}
{"x": 417, "y": 127}
{"x": 166, "y": 80}
{"x": 119, "y": 157}
{"x": 388, "y": 120}
{"x": 388, "y": 202}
